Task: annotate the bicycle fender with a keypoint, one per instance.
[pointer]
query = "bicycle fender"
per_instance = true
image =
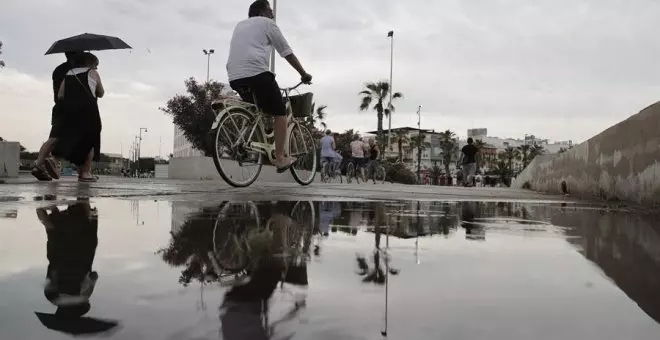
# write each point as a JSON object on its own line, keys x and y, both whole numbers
{"x": 219, "y": 116}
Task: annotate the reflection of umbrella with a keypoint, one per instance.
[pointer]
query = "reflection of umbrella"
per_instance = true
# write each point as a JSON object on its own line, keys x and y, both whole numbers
{"x": 87, "y": 42}
{"x": 75, "y": 326}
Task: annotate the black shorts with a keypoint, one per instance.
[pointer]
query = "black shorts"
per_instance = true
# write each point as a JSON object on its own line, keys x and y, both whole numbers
{"x": 264, "y": 89}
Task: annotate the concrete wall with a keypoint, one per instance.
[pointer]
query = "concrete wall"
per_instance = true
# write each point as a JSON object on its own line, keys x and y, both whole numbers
{"x": 9, "y": 159}
{"x": 620, "y": 163}
{"x": 202, "y": 168}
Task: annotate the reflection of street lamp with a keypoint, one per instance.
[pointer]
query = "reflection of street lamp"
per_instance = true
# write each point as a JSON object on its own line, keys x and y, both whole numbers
{"x": 208, "y": 62}
{"x": 419, "y": 143}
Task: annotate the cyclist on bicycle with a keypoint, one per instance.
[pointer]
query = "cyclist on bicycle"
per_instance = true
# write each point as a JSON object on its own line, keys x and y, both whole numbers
{"x": 328, "y": 153}
{"x": 374, "y": 153}
{"x": 357, "y": 154}
{"x": 249, "y": 73}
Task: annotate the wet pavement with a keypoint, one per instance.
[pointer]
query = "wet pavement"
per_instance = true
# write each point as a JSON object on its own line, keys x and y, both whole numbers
{"x": 207, "y": 269}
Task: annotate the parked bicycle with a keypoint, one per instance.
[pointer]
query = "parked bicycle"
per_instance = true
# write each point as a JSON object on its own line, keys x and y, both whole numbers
{"x": 242, "y": 141}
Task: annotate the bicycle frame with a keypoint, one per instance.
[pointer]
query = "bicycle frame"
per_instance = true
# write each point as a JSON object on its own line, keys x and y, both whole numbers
{"x": 268, "y": 147}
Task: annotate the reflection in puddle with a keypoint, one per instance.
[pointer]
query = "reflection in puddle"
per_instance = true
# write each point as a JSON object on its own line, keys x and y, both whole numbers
{"x": 336, "y": 270}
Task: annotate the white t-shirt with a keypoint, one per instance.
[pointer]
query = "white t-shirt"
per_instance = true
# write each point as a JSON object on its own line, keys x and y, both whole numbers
{"x": 249, "y": 50}
{"x": 357, "y": 149}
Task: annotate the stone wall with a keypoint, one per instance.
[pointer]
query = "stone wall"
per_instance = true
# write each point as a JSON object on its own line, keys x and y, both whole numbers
{"x": 620, "y": 163}
{"x": 202, "y": 168}
{"x": 9, "y": 159}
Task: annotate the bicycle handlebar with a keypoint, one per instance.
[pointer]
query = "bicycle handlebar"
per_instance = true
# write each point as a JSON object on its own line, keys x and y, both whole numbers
{"x": 289, "y": 89}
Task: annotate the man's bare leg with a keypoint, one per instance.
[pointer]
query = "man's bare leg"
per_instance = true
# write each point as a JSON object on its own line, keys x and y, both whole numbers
{"x": 281, "y": 159}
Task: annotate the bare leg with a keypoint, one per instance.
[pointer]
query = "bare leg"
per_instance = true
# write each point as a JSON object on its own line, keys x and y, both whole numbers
{"x": 45, "y": 150}
{"x": 281, "y": 159}
{"x": 86, "y": 169}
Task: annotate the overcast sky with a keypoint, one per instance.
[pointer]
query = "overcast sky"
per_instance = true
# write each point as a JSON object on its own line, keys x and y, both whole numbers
{"x": 559, "y": 69}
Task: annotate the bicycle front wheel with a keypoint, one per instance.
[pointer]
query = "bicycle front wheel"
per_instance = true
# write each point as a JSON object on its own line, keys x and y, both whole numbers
{"x": 302, "y": 147}
{"x": 237, "y": 163}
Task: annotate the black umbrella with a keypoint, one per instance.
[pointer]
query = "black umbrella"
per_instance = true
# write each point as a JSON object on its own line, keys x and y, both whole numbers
{"x": 74, "y": 325}
{"x": 87, "y": 42}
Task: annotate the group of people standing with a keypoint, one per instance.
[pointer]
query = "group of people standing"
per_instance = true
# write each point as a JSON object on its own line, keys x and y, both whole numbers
{"x": 75, "y": 134}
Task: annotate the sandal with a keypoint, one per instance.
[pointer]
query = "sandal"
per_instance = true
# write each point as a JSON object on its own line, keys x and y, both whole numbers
{"x": 51, "y": 168}
{"x": 92, "y": 179}
{"x": 40, "y": 174}
{"x": 283, "y": 168}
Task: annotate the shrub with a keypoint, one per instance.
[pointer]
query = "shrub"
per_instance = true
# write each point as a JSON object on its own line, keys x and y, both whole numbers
{"x": 399, "y": 173}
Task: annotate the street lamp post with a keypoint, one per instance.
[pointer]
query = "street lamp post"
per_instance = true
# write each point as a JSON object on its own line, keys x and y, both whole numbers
{"x": 208, "y": 62}
{"x": 419, "y": 143}
{"x": 390, "y": 35}
{"x": 272, "y": 51}
{"x": 139, "y": 148}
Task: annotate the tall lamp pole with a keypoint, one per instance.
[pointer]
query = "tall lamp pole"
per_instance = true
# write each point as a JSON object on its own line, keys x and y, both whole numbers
{"x": 139, "y": 149}
{"x": 419, "y": 142}
{"x": 208, "y": 62}
{"x": 272, "y": 51}
{"x": 390, "y": 35}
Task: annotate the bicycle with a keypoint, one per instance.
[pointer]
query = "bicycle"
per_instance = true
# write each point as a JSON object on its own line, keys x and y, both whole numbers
{"x": 240, "y": 136}
{"x": 351, "y": 172}
{"x": 377, "y": 172}
{"x": 330, "y": 172}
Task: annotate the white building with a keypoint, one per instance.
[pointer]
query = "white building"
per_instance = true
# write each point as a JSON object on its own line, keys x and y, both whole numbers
{"x": 182, "y": 147}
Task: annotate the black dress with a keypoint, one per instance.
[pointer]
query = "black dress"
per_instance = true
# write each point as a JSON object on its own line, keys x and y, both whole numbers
{"x": 79, "y": 123}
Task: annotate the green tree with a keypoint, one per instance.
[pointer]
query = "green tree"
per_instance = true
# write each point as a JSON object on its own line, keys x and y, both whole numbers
{"x": 562, "y": 150}
{"x": 343, "y": 142}
{"x": 193, "y": 114}
{"x": 317, "y": 117}
{"x": 376, "y": 94}
{"x": 449, "y": 147}
{"x": 400, "y": 138}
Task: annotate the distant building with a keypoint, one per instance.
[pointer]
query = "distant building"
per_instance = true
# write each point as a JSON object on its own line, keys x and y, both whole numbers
{"x": 431, "y": 155}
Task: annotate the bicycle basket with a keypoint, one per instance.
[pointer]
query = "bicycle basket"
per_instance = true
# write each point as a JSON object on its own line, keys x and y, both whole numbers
{"x": 301, "y": 105}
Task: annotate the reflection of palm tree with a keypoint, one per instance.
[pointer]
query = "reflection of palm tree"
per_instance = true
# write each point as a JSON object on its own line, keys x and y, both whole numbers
{"x": 376, "y": 274}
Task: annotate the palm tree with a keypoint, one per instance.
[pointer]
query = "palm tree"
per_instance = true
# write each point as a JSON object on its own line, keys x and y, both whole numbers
{"x": 418, "y": 142}
{"x": 449, "y": 146}
{"x": 318, "y": 115}
{"x": 524, "y": 151}
{"x": 2, "y": 62}
{"x": 510, "y": 154}
{"x": 378, "y": 93}
{"x": 400, "y": 138}
{"x": 536, "y": 150}
{"x": 479, "y": 144}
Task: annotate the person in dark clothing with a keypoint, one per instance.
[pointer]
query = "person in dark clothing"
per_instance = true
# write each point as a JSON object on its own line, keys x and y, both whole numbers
{"x": 45, "y": 167}
{"x": 469, "y": 161}
{"x": 70, "y": 249}
{"x": 79, "y": 123}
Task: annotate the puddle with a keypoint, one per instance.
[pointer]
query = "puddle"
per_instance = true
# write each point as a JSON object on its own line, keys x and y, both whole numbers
{"x": 124, "y": 269}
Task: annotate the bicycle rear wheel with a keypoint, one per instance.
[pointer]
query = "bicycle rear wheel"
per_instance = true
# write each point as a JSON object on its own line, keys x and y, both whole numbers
{"x": 236, "y": 162}
{"x": 379, "y": 174}
{"x": 325, "y": 178}
{"x": 350, "y": 172}
{"x": 303, "y": 147}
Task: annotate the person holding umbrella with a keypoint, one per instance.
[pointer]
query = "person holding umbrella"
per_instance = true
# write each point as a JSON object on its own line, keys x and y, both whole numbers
{"x": 76, "y": 134}
{"x": 45, "y": 168}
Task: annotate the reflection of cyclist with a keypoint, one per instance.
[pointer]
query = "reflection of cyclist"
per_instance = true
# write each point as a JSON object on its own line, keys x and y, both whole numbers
{"x": 249, "y": 74}
{"x": 328, "y": 153}
{"x": 357, "y": 154}
{"x": 374, "y": 152}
